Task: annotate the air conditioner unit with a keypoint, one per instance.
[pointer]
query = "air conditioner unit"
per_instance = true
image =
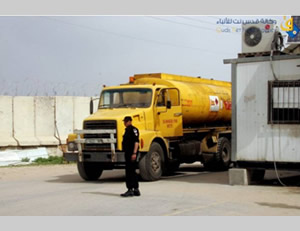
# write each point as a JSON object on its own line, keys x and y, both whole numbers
{"x": 259, "y": 38}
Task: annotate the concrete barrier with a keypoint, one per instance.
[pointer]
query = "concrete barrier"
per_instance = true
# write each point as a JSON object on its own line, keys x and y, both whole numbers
{"x": 64, "y": 114}
{"x": 81, "y": 111}
{"x": 239, "y": 176}
{"x": 6, "y": 122}
{"x": 44, "y": 120}
{"x": 96, "y": 103}
{"x": 24, "y": 121}
{"x": 32, "y": 121}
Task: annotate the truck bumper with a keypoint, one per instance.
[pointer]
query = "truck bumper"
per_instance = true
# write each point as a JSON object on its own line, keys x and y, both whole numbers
{"x": 104, "y": 157}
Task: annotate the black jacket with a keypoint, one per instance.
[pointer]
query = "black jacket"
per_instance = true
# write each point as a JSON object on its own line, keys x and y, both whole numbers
{"x": 130, "y": 137}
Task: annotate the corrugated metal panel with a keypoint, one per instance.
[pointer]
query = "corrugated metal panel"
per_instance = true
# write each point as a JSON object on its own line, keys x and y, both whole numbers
{"x": 255, "y": 139}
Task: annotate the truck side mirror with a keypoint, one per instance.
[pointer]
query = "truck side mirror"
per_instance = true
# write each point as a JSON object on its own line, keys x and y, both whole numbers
{"x": 91, "y": 107}
{"x": 169, "y": 105}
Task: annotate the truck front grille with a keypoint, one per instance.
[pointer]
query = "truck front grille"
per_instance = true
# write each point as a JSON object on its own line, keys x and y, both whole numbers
{"x": 99, "y": 124}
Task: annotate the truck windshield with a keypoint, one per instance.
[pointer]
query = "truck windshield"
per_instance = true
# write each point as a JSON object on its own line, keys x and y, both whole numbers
{"x": 122, "y": 98}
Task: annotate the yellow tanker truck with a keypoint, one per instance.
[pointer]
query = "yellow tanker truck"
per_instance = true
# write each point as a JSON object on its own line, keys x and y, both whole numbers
{"x": 181, "y": 120}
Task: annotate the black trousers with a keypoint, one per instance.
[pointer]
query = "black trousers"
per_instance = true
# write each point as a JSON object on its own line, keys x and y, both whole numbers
{"x": 131, "y": 176}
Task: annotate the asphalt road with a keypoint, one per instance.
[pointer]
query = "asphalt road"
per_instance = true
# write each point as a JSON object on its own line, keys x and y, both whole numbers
{"x": 58, "y": 190}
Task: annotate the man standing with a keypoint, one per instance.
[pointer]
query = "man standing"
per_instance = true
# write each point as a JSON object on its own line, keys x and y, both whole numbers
{"x": 130, "y": 146}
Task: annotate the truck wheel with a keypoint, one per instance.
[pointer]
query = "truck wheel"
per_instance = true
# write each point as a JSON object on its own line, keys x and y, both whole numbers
{"x": 151, "y": 165}
{"x": 223, "y": 154}
{"x": 89, "y": 171}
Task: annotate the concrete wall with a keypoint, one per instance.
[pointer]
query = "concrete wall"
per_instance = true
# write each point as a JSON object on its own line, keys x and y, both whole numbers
{"x": 45, "y": 120}
{"x": 40, "y": 121}
{"x": 81, "y": 110}
{"x": 6, "y": 122}
{"x": 24, "y": 121}
{"x": 64, "y": 116}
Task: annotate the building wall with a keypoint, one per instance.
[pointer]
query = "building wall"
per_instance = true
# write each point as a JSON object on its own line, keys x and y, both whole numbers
{"x": 255, "y": 139}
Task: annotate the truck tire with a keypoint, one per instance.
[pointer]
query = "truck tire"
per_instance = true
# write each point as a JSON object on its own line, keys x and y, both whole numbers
{"x": 151, "y": 165}
{"x": 89, "y": 171}
{"x": 223, "y": 156}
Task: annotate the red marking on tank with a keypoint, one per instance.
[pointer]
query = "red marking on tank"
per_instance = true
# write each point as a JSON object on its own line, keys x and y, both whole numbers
{"x": 217, "y": 101}
{"x": 227, "y": 105}
{"x": 170, "y": 121}
{"x": 187, "y": 102}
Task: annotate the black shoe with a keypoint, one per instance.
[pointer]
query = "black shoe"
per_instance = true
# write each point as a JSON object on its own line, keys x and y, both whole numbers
{"x": 136, "y": 192}
{"x": 129, "y": 193}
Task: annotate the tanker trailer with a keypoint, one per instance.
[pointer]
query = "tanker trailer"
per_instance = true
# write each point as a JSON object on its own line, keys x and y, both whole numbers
{"x": 181, "y": 120}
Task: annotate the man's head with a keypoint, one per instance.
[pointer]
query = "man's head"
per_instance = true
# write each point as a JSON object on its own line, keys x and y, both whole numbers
{"x": 127, "y": 121}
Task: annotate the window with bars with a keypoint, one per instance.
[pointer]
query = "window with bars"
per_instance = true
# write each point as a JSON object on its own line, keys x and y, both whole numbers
{"x": 284, "y": 102}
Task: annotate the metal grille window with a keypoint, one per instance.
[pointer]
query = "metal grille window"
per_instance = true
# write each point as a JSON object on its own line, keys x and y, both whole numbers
{"x": 284, "y": 102}
{"x": 99, "y": 124}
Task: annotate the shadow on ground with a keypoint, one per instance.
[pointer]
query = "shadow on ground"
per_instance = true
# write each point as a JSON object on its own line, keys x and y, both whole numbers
{"x": 194, "y": 173}
{"x": 278, "y": 205}
{"x": 198, "y": 174}
{"x": 115, "y": 176}
{"x": 186, "y": 173}
{"x": 103, "y": 194}
{"x": 287, "y": 178}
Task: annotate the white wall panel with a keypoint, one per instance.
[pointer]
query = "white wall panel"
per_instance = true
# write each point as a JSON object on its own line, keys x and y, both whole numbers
{"x": 6, "y": 122}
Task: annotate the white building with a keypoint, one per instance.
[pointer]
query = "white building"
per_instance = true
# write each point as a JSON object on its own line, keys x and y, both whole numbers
{"x": 265, "y": 113}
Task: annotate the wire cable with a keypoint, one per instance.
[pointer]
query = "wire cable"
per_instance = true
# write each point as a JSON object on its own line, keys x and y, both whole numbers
{"x": 197, "y": 20}
{"x": 181, "y": 23}
{"x": 273, "y": 149}
{"x": 135, "y": 38}
{"x": 274, "y": 160}
{"x": 195, "y": 26}
{"x": 272, "y": 67}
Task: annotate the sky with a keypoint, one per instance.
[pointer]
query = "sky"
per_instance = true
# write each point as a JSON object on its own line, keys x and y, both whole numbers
{"x": 77, "y": 55}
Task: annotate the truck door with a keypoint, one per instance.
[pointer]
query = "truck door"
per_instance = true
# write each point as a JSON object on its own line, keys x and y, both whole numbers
{"x": 168, "y": 113}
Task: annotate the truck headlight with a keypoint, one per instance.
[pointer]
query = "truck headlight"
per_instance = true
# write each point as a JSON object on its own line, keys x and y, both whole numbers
{"x": 72, "y": 146}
